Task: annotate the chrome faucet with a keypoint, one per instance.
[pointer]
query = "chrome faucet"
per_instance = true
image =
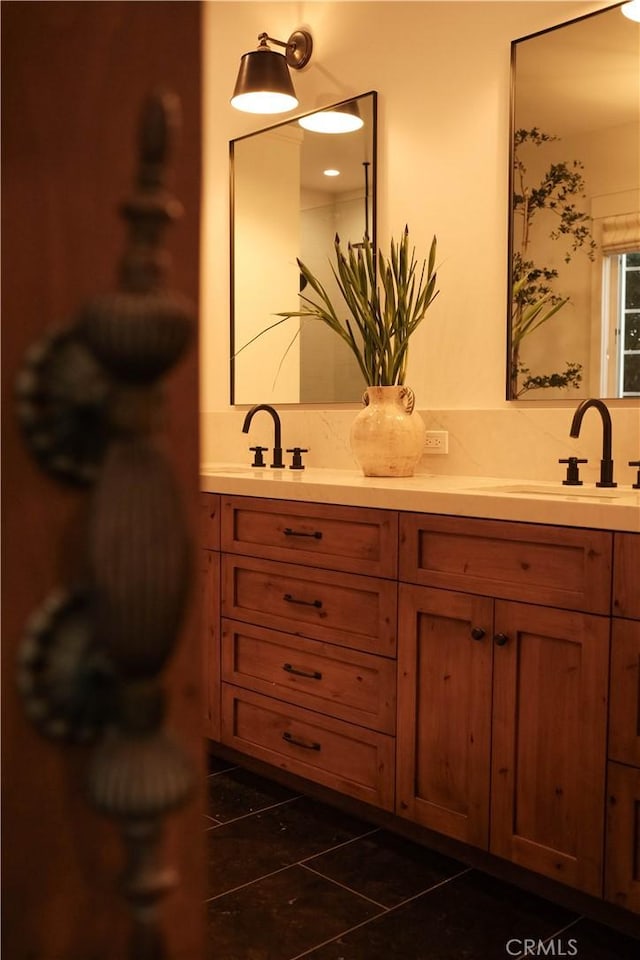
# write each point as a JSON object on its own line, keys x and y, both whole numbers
{"x": 277, "y": 442}
{"x": 606, "y": 463}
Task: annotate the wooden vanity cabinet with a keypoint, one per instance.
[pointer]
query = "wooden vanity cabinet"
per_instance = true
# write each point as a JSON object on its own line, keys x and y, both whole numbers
{"x": 309, "y": 600}
{"x": 622, "y": 873}
{"x": 453, "y": 670}
{"x": 210, "y": 616}
{"x": 501, "y": 738}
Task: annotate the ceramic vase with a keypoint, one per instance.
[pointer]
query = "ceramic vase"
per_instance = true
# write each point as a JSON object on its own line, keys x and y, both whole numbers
{"x": 387, "y": 437}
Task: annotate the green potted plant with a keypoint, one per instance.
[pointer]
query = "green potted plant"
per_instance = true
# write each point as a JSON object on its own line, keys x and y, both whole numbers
{"x": 384, "y": 308}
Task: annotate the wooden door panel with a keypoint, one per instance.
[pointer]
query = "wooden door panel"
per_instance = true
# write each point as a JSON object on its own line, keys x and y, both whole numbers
{"x": 624, "y": 711}
{"x": 549, "y": 742}
{"x": 444, "y": 716}
{"x": 622, "y": 874}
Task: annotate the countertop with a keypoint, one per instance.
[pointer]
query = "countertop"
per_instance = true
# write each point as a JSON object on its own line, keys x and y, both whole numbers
{"x": 490, "y": 497}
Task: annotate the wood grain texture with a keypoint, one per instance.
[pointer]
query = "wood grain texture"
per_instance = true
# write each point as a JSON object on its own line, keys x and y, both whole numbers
{"x": 209, "y": 526}
{"x": 347, "y": 609}
{"x": 624, "y": 699}
{"x": 210, "y": 582}
{"x": 444, "y": 712}
{"x": 347, "y": 684}
{"x": 353, "y": 539}
{"x": 345, "y": 757}
{"x": 622, "y": 874}
{"x": 549, "y": 742}
{"x": 626, "y": 575}
{"x": 554, "y": 566}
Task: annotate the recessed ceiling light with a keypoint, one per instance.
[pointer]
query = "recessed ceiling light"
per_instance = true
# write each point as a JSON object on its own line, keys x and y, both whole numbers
{"x": 331, "y": 173}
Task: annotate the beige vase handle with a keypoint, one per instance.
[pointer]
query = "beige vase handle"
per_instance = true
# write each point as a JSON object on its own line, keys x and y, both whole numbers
{"x": 409, "y": 398}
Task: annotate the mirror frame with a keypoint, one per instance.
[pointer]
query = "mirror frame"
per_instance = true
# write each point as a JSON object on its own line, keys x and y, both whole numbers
{"x": 511, "y": 182}
{"x": 373, "y": 225}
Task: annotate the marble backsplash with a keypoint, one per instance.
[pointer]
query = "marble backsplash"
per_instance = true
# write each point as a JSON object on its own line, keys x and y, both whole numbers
{"x": 519, "y": 442}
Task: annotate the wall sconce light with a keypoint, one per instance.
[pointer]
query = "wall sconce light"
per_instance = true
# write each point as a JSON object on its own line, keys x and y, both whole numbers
{"x": 341, "y": 119}
{"x": 264, "y": 84}
{"x": 631, "y": 10}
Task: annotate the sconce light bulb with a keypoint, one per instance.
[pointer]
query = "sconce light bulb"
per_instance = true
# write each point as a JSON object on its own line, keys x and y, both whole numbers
{"x": 332, "y": 121}
{"x": 264, "y": 101}
{"x": 631, "y": 10}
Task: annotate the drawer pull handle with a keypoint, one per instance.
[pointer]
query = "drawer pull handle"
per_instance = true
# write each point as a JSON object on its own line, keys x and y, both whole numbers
{"x": 500, "y": 639}
{"x": 312, "y": 674}
{"x": 288, "y": 532}
{"x": 477, "y": 633}
{"x": 307, "y": 744}
{"x": 305, "y": 603}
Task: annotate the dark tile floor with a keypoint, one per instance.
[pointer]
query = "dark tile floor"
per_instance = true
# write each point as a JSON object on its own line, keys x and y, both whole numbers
{"x": 290, "y": 878}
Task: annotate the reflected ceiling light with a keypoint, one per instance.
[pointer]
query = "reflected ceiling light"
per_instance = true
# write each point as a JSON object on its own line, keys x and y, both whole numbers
{"x": 342, "y": 119}
{"x": 264, "y": 84}
{"x": 331, "y": 173}
{"x": 632, "y": 10}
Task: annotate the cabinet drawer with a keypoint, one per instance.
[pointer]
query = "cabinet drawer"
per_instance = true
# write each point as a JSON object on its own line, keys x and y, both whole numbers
{"x": 354, "y": 539}
{"x": 626, "y": 575}
{"x": 340, "y": 608}
{"x": 624, "y": 716}
{"x": 341, "y": 756}
{"x": 210, "y": 521}
{"x": 352, "y": 686}
{"x": 553, "y": 566}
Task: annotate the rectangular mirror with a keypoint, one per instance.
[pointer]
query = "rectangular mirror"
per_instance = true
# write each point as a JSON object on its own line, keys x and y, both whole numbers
{"x": 574, "y": 244}
{"x": 286, "y": 204}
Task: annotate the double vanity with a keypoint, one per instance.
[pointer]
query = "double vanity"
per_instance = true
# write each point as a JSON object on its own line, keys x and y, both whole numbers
{"x": 461, "y": 653}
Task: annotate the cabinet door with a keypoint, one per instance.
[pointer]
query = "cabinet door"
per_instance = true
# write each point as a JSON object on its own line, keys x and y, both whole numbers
{"x": 211, "y": 641}
{"x": 622, "y": 876}
{"x": 624, "y": 709}
{"x": 549, "y": 742}
{"x": 444, "y": 716}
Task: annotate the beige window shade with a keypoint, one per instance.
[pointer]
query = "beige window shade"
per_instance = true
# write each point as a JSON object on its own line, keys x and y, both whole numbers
{"x": 621, "y": 233}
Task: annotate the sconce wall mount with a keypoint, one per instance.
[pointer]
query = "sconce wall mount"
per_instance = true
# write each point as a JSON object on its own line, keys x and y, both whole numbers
{"x": 264, "y": 84}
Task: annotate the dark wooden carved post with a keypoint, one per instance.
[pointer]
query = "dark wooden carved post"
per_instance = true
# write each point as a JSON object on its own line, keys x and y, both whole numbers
{"x": 131, "y": 610}
{"x": 137, "y": 545}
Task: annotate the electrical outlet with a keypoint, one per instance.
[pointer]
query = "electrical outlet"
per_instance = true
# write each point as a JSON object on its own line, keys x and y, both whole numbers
{"x": 437, "y": 441}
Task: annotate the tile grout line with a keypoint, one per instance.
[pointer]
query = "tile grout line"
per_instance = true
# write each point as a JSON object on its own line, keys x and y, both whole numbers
{"x": 337, "y": 846}
{"x": 343, "y": 933}
{"x": 250, "y": 883}
{"x": 343, "y": 886}
{"x": 552, "y": 936}
{"x": 217, "y": 773}
{"x": 252, "y": 813}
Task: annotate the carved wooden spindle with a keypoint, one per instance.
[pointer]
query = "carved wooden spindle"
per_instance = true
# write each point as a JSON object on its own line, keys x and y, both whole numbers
{"x": 138, "y": 547}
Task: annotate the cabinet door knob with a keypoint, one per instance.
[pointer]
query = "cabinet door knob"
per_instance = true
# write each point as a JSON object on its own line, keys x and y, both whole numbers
{"x": 477, "y": 633}
{"x": 500, "y": 639}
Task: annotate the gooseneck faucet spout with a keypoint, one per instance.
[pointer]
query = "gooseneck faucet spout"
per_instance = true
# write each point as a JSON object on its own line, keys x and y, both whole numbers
{"x": 277, "y": 442}
{"x": 606, "y": 463}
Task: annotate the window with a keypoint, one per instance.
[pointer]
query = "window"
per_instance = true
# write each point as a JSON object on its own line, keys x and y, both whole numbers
{"x": 621, "y": 326}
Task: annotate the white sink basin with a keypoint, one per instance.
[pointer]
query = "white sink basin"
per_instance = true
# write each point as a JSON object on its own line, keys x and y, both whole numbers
{"x": 559, "y": 490}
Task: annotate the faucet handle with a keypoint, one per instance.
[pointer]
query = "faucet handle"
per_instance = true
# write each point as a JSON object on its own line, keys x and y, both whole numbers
{"x": 258, "y": 459}
{"x": 573, "y": 472}
{"x": 296, "y": 463}
{"x": 636, "y": 463}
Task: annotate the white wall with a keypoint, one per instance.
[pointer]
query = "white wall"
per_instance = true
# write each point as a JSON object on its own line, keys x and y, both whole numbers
{"x": 442, "y": 73}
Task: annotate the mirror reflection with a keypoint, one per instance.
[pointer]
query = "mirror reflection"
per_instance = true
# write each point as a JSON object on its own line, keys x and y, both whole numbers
{"x": 574, "y": 250}
{"x": 293, "y": 188}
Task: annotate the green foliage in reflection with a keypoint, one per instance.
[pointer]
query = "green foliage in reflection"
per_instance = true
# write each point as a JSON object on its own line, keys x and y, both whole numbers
{"x": 534, "y": 299}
